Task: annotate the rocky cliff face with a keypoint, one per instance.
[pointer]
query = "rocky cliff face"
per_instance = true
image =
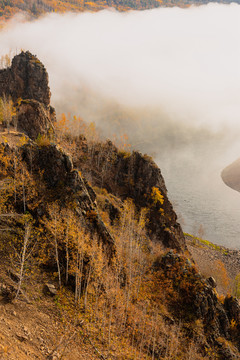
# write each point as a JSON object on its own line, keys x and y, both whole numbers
{"x": 34, "y": 119}
{"x": 27, "y": 78}
{"x": 125, "y": 175}
{"x": 135, "y": 176}
{"x": 26, "y": 83}
{"x": 67, "y": 186}
{"x": 193, "y": 297}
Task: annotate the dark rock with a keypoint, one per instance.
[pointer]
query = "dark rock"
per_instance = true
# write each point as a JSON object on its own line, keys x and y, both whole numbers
{"x": 137, "y": 177}
{"x": 49, "y": 160}
{"x": 232, "y": 307}
{"x": 34, "y": 119}
{"x": 66, "y": 184}
{"x": 13, "y": 275}
{"x": 50, "y": 289}
{"x": 200, "y": 301}
{"x": 21, "y": 337}
{"x": 212, "y": 282}
{"x": 27, "y": 78}
{"x": 26, "y": 82}
{"x": 8, "y": 292}
{"x": 134, "y": 176}
{"x": 113, "y": 211}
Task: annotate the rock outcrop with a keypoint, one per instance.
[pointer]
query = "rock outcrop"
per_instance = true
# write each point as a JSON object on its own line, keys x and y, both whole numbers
{"x": 134, "y": 176}
{"x": 27, "y": 78}
{"x": 26, "y": 83}
{"x": 193, "y": 298}
{"x": 34, "y": 119}
{"x": 54, "y": 167}
{"x": 125, "y": 175}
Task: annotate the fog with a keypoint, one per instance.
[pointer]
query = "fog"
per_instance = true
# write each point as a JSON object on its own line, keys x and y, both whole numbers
{"x": 170, "y": 78}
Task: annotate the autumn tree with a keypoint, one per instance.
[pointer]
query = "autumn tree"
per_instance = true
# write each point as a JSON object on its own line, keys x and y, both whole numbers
{"x": 7, "y": 111}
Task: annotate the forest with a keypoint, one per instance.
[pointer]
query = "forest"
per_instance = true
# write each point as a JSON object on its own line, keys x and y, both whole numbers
{"x": 33, "y": 9}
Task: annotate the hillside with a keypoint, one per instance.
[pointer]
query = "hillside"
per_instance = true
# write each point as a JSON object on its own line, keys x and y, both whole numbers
{"x": 8, "y": 8}
{"x": 93, "y": 261}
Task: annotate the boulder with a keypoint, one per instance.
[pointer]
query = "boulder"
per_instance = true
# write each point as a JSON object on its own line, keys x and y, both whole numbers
{"x": 50, "y": 289}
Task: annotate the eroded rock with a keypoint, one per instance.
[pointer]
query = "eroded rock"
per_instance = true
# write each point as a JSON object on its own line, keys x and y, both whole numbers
{"x": 34, "y": 119}
{"x": 27, "y": 78}
{"x": 134, "y": 176}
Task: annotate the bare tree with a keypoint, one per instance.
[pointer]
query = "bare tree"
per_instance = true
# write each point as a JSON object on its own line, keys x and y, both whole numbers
{"x": 23, "y": 256}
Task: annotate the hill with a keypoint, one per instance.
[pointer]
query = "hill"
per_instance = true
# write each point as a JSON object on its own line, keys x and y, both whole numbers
{"x": 8, "y": 8}
{"x": 93, "y": 261}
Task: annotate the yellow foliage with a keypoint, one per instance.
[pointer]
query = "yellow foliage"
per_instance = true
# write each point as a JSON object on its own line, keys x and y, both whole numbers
{"x": 7, "y": 110}
{"x": 221, "y": 275}
{"x": 157, "y": 196}
{"x": 23, "y": 140}
{"x": 42, "y": 140}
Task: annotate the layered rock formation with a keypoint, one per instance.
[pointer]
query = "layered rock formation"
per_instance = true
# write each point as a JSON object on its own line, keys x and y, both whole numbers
{"x": 27, "y": 78}
{"x": 26, "y": 83}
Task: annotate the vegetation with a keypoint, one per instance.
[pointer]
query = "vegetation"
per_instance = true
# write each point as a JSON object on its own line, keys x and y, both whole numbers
{"x": 198, "y": 241}
{"x": 129, "y": 308}
{"x": 7, "y": 111}
{"x": 102, "y": 253}
{"x": 10, "y": 7}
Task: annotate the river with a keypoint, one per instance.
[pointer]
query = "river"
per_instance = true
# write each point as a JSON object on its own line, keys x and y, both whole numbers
{"x": 200, "y": 198}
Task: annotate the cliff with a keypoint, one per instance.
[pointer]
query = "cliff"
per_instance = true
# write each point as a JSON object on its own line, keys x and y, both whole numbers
{"x": 135, "y": 176}
{"x": 90, "y": 244}
{"x": 27, "y": 78}
{"x": 26, "y": 84}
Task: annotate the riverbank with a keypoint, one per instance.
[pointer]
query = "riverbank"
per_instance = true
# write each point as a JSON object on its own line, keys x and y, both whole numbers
{"x": 217, "y": 261}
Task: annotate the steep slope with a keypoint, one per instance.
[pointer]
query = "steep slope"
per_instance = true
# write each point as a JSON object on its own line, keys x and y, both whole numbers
{"x": 135, "y": 176}
{"x": 93, "y": 262}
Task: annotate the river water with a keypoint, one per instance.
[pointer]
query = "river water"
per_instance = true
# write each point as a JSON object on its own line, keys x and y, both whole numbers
{"x": 200, "y": 198}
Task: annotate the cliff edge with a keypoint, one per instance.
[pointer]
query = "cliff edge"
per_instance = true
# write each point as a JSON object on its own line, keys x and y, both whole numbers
{"x": 90, "y": 245}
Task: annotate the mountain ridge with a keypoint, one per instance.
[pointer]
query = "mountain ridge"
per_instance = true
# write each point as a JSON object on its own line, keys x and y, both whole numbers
{"x": 9, "y": 8}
